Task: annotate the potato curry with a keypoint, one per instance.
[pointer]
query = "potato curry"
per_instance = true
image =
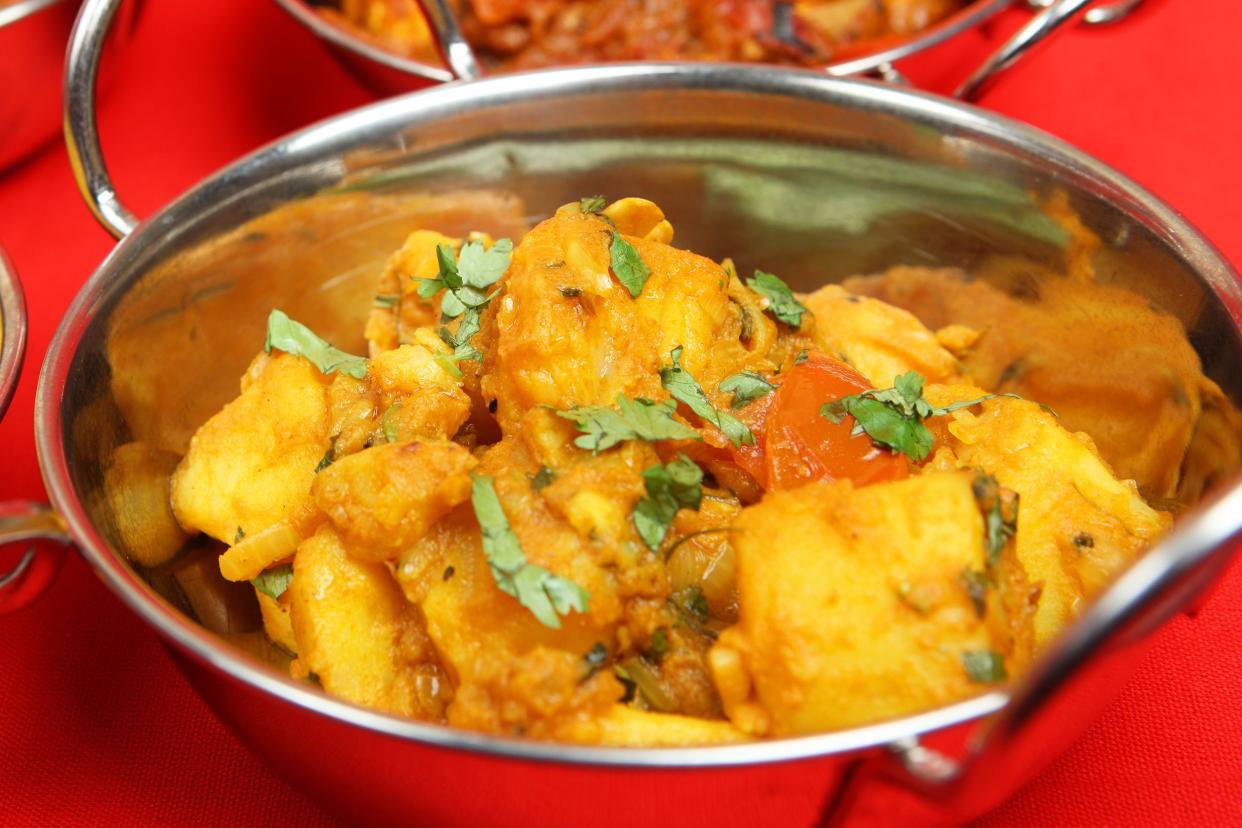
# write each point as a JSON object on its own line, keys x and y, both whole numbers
{"x": 594, "y": 488}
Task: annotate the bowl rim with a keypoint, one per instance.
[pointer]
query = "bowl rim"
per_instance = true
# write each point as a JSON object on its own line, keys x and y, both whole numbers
{"x": 969, "y": 16}
{"x": 385, "y": 118}
{"x": 13, "y": 326}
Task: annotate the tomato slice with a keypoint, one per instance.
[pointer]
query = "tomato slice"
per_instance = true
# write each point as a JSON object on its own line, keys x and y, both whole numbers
{"x": 795, "y": 445}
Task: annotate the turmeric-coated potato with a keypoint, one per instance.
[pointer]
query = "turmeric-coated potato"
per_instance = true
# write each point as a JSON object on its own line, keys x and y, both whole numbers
{"x": 356, "y": 632}
{"x": 252, "y": 464}
{"x": 855, "y": 605}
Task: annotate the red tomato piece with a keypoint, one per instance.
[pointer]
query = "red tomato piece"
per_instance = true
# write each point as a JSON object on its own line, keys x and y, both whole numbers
{"x": 795, "y": 445}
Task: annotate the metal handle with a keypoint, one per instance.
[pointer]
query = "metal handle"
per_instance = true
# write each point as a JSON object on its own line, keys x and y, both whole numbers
{"x": 12, "y": 331}
{"x": 1052, "y": 17}
{"x": 458, "y": 55}
{"x": 46, "y": 540}
{"x": 1065, "y": 688}
{"x": 1100, "y": 15}
{"x": 81, "y": 121}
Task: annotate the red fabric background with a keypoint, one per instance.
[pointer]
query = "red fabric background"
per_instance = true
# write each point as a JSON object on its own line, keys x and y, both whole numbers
{"x": 96, "y": 727}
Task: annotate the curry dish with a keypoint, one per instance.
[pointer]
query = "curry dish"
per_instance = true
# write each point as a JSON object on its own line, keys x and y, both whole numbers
{"x": 594, "y": 488}
{"x": 526, "y": 34}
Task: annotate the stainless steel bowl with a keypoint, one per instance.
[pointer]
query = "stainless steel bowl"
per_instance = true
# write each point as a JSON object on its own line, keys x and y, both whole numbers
{"x": 12, "y": 331}
{"x": 391, "y": 73}
{"x": 812, "y": 176}
{"x": 33, "y": 37}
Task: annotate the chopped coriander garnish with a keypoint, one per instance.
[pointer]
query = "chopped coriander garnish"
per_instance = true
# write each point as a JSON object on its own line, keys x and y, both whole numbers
{"x": 449, "y": 572}
{"x": 542, "y": 479}
{"x": 781, "y": 301}
{"x": 677, "y": 485}
{"x": 746, "y": 387}
{"x": 273, "y": 582}
{"x": 295, "y": 338}
{"x": 386, "y": 300}
{"x": 241, "y": 533}
{"x": 459, "y": 341}
{"x": 546, "y": 595}
{"x": 659, "y": 643}
{"x": 678, "y": 382}
{"x": 465, "y": 279}
{"x": 327, "y": 460}
{"x": 629, "y": 267}
{"x": 592, "y": 204}
{"x": 391, "y": 433}
{"x": 976, "y": 584}
{"x": 984, "y": 666}
{"x": 595, "y": 659}
{"x": 1000, "y": 513}
{"x": 801, "y": 357}
{"x": 603, "y": 426}
{"x": 893, "y": 417}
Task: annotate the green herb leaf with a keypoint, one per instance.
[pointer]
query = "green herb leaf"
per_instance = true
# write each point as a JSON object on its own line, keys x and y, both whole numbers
{"x": 595, "y": 659}
{"x": 459, "y": 341}
{"x": 629, "y": 267}
{"x": 241, "y": 533}
{"x": 678, "y": 485}
{"x": 592, "y": 204}
{"x": 391, "y": 433}
{"x": 1000, "y": 513}
{"x": 678, "y": 382}
{"x": 295, "y": 338}
{"x": 781, "y": 301}
{"x": 746, "y": 387}
{"x": 273, "y": 582}
{"x": 801, "y": 357}
{"x": 659, "y": 643}
{"x": 545, "y": 594}
{"x": 976, "y": 584}
{"x": 603, "y": 426}
{"x": 893, "y": 417}
{"x": 465, "y": 279}
{"x": 386, "y": 300}
{"x": 542, "y": 479}
{"x": 984, "y": 666}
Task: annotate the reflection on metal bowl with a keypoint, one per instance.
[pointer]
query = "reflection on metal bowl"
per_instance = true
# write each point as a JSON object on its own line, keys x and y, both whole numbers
{"x": 814, "y": 177}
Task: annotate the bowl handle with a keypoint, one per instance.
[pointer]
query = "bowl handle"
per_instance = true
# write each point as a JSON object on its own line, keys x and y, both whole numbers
{"x": 1053, "y": 14}
{"x": 81, "y": 123}
{"x": 45, "y": 538}
{"x": 1064, "y": 690}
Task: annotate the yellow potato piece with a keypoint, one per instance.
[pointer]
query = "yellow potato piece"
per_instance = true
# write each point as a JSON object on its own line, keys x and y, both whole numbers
{"x": 277, "y": 622}
{"x": 385, "y": 498}
{"x": 625, "y": 726}
{"x": 251, "y": 465}
{"x": 852, "y": 606}
{"x": 356, "y": 632}
{"x": 1077, "y": 523}
{"x": 880, "y": 340}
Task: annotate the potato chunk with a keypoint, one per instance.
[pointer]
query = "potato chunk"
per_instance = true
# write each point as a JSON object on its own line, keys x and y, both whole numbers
{"x": 355, "y": 630}
{"x": 625, "y": 726}
{"x": 384, "y": 498}
{"x": 251, "y": 465}
{"x": 880, "y": 340}
{"x": 1077, "y": 523}
{"x": 853, "y": 606}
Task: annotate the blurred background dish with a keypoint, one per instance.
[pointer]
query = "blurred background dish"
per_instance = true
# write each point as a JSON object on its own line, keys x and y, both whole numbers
{"x": 33, "y": 37}
{"x": 390, "y": 44}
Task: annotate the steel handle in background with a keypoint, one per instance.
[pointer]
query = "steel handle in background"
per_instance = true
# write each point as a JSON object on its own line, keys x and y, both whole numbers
{"x": 45, "y": 539}
{"x": 81, "y": 116}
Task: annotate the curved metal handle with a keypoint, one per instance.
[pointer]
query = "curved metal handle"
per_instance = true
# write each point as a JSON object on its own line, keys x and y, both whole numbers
{"x": 12, "y": 331}
{"x": 81, "y": 122}
{"x": 458, "y": 55}
{"x": 46, "y": 540}
{"x": 1053, "y": 15}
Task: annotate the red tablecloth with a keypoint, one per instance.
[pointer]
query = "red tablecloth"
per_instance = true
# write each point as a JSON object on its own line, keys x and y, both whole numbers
{"x": 96, "y": 727}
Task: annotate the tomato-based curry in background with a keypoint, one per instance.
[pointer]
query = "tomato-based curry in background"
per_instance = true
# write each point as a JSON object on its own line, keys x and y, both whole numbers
{"x": 527, "y": 34}
{"x": 598, "y": 489}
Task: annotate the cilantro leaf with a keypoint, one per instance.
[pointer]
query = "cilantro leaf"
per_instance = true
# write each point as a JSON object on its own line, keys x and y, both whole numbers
{"x": 746, "y": 387}
{"x": 893, "y": 417}
{"x": 1000, "y": 513}
{"x": 984, "y": 666}
{"x": 592, "y": 204}
{"x": 628, "y": 266}
{"x": 459, "y": 341}
{"x": 781, "y": 301}
{"x": 678, "y": 382}
{"x": 603, "y": 426}
{"x": 465, "y": 279}
{"x": 677, "y": 485}
{"x": 546, "y": 595}
{"x": 273, "y": 582}
{"x": 295, "y": 338}
{"x": 391, "y": 432}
